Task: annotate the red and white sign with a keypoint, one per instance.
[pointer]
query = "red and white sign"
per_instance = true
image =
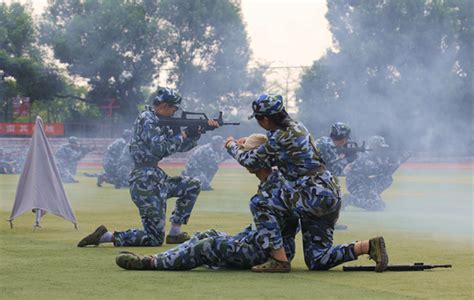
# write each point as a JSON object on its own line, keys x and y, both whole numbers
{"x": 27, "y": 128}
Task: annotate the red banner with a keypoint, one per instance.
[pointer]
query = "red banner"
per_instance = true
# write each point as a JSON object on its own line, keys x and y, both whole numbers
{"x": 27, "y": 128}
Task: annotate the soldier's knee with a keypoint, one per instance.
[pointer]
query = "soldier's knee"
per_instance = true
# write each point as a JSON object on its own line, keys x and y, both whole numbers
{"x": 194, "y": 183}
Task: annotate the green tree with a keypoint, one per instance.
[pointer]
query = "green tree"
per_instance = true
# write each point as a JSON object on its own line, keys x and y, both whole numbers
{"x": 20, "y": 59}
{"x": 399, "y": 67}
{"x": 208, "y": 49}
{"x": 112, "y": 44}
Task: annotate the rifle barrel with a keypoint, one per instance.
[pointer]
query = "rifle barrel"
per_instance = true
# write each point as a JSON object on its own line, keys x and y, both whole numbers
{"x": 399, "y": 268}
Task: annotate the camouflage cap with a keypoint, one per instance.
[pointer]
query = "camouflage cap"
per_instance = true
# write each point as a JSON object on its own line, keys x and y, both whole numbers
{"x": 73, "y": 140}
{"x": 217, "y": 140}
{"x": 340, "y": 130}
{"x": 267, "y": 104}
{"x": 127, "y": 133}
{"x": 169, "y": 96}
{"x": 376, "y": 141}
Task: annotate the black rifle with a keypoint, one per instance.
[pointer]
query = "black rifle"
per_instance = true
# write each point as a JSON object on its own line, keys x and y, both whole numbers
{"x": 351, "y": 149}
{"x": 192, "y": 124}
{"x": 415, "y": 267}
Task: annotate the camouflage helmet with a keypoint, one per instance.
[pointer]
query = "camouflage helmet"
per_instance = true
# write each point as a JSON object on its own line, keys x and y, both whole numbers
{"x": 169, "y": 96}
{"x": 376, "y": 141}
{"x": 73, "y": 140}
{"x": 217, "y": 140}
{"x": 127, "y": 133}
{"x": 266, "y": 105}
{"x": 340, "y": 131}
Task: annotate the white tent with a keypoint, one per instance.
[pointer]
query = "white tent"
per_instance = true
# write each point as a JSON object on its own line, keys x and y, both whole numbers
{"x": 40, "y": 187}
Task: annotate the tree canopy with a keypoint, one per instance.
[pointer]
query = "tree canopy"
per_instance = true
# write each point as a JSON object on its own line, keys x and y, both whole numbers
{"x": 21, "y": 60}
{"x": 399, "y": 68}
{"x": 121, "y": 47}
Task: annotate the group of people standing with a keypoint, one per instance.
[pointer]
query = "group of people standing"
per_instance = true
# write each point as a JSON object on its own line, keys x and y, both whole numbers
{"x": 296, "y": 192}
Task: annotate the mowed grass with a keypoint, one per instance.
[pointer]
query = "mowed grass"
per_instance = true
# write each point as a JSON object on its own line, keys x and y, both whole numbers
{"x": 429, "y": 219}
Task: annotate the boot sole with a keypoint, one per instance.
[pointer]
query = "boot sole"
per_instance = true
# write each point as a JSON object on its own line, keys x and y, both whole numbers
{"x": 100, "y": 230}
{"x": 383, "y": 257}
{"x": 271, "y": 271}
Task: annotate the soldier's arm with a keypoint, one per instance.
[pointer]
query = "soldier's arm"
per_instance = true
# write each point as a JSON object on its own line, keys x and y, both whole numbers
{"x": 160, "y": 143}
{"x": 253, "y": 159}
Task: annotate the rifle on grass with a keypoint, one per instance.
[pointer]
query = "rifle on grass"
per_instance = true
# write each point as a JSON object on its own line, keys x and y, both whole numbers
{"x": 419, "y": 266}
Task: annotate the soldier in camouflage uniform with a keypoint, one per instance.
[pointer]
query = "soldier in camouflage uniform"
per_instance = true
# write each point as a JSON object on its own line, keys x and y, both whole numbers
{"x": 217, "y": 249}
{"x": 211, "y": 248}
{"x": 371, "y": 174}
{"x": 111, "y": 161}
{"x": 328, "y": 146}
{"x": 150, "y": 186}
{"x": 204, "y": 162}
{"x": 67, "y": 157}
{"x": 6, "y": 165}
{"x": 125, "y": 166}
{"x": 308, "y": 189}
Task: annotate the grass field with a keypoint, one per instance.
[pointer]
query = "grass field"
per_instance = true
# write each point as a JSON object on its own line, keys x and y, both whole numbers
{"x": 429, "y": 219}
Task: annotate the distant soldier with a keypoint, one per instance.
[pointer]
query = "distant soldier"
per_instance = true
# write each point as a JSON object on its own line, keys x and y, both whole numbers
{"x": 111, "y": 159}
{"x": 67, "y": 157}
{"x": 125, "y": 166}
{"x": 204, "y": 162}
{"x": 371, "y": 174}
{"x": 6, "y": 166}
{"x": 330, "y": 148}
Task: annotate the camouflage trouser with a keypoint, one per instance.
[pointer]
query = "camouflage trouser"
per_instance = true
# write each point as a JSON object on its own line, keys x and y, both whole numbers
{"x": 365, "y": 191}
{"x": 122, "y": 176}
{"x": 204, "y": 177}
{"x": 218, "y": 250}
{"x": 268, "y": 214}
{"x": 64, "y": 172}
{"x": 149, "y": 188}
{"x": 318, "y": 206}
{"x": 319, "y": 251}
{"x": 110, "y": 167}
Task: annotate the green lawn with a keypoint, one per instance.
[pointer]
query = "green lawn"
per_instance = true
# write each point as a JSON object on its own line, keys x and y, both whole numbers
{"x": 429, "y": 219}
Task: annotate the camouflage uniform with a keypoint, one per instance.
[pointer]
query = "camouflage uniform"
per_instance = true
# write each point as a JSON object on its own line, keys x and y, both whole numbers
{"x": 220, "y": 250}
{"x": 203, "y": 164}
{"x": 150, "y": 186}
{"x": 370, "y": 175}
{"x": 307, "y": 188}
{"x": 6, "y": 166}
{"x": 334, "y": 161}
{"x": 111, "y": 159}
{"x": 125, "y": 166}
{"x": 67, "y": 157}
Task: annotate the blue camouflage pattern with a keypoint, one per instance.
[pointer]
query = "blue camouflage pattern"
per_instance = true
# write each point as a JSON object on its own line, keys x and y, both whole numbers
{"x": 369, "y": 176}
{"x": 150, "y": 186}
{"x": 203, "y": 164}
{"x": 334, "y": 161}
{"x": 111, "y": 158}
{"x": 307, "y": 188}
{"x": 216, "y": 249}
{"x": 125, "y": 166}
{"x": 67, "y": 158}
{"x": 267, "y": 104}
{"x": 292, "y": 150}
